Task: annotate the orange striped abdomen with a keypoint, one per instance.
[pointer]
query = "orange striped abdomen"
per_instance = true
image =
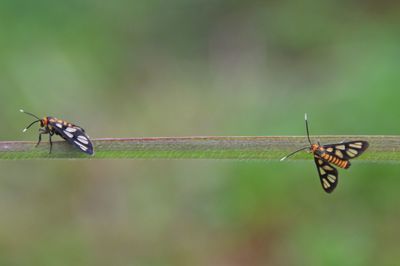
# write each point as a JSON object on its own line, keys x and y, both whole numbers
{"x": 335, "y": 160}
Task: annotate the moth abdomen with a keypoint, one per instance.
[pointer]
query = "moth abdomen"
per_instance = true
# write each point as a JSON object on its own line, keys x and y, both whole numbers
{"x": 335, "y": 160}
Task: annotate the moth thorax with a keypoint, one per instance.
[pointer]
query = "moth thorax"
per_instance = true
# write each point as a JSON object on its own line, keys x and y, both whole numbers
{"x": 314, "y": 147}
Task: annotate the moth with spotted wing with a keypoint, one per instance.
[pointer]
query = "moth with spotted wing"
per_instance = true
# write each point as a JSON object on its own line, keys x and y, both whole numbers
{"x": 335, "y": 154}
{"x": 73, "y": 134}
{"x": 325, "y": 156}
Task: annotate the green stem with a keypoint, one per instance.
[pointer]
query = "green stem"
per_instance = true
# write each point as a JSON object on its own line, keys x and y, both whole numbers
{"x": 382, "y": 148}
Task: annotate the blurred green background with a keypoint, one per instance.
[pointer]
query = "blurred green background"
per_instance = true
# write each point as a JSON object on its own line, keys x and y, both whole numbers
{"x": 199, "y": 67}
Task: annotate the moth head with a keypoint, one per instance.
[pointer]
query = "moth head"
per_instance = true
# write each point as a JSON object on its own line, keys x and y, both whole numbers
{"x": 314, "y": 147}
{"x": 44, "y": 122}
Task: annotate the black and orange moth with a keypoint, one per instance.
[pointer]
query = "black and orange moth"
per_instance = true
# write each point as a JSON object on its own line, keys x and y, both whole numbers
{"x": 73, "y": 134}
{"x": 330, "y": 155}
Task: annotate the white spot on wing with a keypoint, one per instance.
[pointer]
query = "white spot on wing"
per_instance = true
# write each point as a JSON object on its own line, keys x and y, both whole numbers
{"x": 325, "y": 183}
{"x": 329, "y": 149}
{"x": 84, "y": 148}
{"x": 59, "y": 125}
{"x": 322, "y": 171}
{"x": 83, "y": 139}
{"x": 339, "y": 154}
{"x": 352, "y": 152}
{"x": 356, "y": 145}
{"x": 327, "y": 168}
{"x": 70, "y": 129}
{"x": 332, "y": 178}
{"x": 68, "y": 134}
{"x": 341, "y": 147}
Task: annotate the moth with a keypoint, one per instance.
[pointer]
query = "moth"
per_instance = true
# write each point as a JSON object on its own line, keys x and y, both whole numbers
{"x": 326, "y": 157}
{"x": 73, "y": 134}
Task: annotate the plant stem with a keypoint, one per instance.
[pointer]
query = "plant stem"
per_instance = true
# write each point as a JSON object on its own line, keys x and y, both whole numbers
{"x": 382, "y": 148}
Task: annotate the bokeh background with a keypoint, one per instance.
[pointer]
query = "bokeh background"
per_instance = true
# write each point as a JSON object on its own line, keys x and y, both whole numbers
{"x": 199, "y": 67}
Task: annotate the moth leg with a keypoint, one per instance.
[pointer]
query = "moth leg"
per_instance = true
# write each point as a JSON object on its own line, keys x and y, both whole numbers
{"x": 51, "y": 142}
{"x": 40, "y": 139}
{"x": 41, "y": 132}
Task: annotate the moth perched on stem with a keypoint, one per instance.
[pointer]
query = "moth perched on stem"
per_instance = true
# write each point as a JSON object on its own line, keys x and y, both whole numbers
{"x": 325, "y": 156}
{"x": 73, "y": 134}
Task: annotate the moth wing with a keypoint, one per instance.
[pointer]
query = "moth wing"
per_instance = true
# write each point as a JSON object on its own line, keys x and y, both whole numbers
{"x": 328, "y": 175}
{"x": 77, "y": 137}
{"x": 347, "y": 150}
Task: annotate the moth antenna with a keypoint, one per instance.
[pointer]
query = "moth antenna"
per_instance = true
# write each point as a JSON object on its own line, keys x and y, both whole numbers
{"x": 34, "y": 122}
{"x": 308, "y": 132}
{"x": 28, "y": 113}
{"x": 22, "y": 111}
{"x": 290, "y": 154}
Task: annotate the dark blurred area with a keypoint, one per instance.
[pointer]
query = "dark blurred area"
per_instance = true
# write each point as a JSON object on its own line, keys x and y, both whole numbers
{"x": 180, "y": 68}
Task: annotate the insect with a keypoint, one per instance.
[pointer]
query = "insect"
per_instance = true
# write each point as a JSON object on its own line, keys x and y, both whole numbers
{"x": 325, "y": 156}
{"x": 73, "y": 134}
